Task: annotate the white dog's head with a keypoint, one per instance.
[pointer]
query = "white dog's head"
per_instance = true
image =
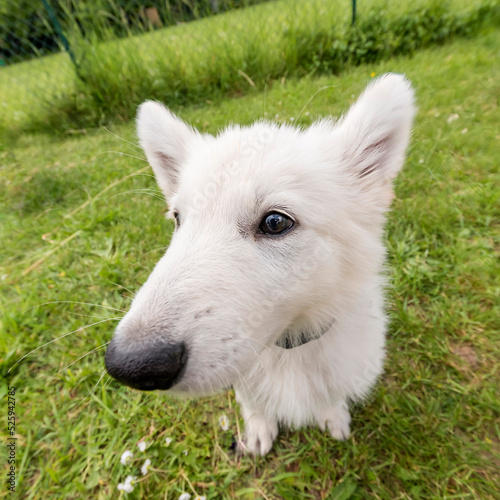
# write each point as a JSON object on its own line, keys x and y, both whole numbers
{"x": 277, "y": 230}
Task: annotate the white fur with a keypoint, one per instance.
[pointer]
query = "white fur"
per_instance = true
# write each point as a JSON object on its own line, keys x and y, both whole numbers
{"x": 230, "y": 293}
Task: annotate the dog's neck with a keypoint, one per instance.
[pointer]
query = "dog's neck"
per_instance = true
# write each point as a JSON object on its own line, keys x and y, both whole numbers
{"x": 291, "y": 340}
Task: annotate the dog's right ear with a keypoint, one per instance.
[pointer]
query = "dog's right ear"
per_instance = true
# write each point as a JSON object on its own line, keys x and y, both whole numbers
{"x": 375, "y": 133}
{"x": 165, "y": 140}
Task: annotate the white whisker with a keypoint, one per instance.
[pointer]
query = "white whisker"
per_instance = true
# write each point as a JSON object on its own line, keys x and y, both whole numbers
{"x": 121, "y": 153}
{"x": 110, "y": 379}
{"x": 121, "y": 286}
{"x": 59, "y": 338}
{"x": 312, "y": 97}
{"x": 90, "y": 393}
{"x": 81, "y": 357}
{"x": 122, "y": 139}
{"x": 146, "y": 175}
{"x": 75, "y": 302}
{"x": 150, "y": 192}
{"x": 87, "y": 315}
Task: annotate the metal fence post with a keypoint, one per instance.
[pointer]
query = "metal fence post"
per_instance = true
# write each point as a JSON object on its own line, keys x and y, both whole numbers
{"x": 57, "y": 28}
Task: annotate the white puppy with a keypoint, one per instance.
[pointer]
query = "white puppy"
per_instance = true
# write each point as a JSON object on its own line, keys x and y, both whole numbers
{"x": 272, "y": 282}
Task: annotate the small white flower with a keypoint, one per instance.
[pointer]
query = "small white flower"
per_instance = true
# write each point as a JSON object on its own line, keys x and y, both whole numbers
{"x": 126, "y": 457}
{"x": 464, "y": 131}
{"x": 307, "y": 113}
{"x": 168, "y": 441}
{"x": 452, "y": 118}
{"x": 141, "y": 445}
{"x": 185, "y": 452}
{"x": 421, "y": 160}
{"x": 185, "y": 496}
{"x": 145, "y": 467}
{"x": 223, "y": 422}
{"x": 200, "y": 497}
{"x": 127, "y": 486}
{"x": 292, "y": 119}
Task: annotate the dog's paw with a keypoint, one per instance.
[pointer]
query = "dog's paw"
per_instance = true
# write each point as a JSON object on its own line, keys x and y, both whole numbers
{"x": 260, "y": 433}
{"x": 337, "y": 419}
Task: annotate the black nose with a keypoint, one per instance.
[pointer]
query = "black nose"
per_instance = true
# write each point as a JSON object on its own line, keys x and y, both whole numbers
{"x": 158, "y": 367}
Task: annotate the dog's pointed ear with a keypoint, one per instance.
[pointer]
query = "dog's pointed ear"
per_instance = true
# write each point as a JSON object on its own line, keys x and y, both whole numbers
{"x": 165, "y": 139}
{"x": 375, "y": 133}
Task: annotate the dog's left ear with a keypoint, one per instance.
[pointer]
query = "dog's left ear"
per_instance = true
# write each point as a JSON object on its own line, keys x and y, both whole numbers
{"x": 375, "y": 133}
{"x": 165, "y": 139}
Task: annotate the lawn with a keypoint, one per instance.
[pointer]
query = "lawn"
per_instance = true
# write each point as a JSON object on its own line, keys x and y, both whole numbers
{"x": 82, "y": 225}
{"x": 222, "y": 55}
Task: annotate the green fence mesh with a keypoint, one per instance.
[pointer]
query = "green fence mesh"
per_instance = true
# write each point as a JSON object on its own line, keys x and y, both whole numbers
{"x": 73, "y": 63}
{"x": 43, "y": 42}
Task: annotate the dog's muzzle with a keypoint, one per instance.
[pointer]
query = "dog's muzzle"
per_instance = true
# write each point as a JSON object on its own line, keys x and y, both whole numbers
{"x": 157, "y": 367}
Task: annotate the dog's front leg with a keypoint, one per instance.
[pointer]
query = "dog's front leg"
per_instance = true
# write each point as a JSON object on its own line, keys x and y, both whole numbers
{"x": 337, "y": 419}
{"x": 260, "y": 430}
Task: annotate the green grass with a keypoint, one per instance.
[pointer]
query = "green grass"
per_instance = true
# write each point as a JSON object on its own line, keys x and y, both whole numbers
{"x": 29, "y": 89}
{"x": 228, "y": 54}
{"x": 430, "y": 429}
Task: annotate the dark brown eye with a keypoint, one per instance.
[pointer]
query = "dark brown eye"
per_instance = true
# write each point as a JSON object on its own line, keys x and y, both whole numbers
{"x": 177, "y": 218}
{"x": 275, "y": 223}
